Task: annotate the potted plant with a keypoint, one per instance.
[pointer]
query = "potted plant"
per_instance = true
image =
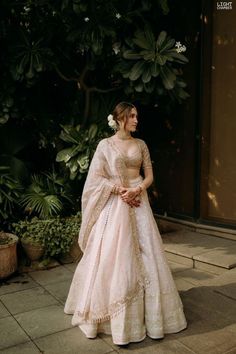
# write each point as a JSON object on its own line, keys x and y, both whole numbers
{"x": 8, "y": 254}
{"x": 61, "y": 237}
{"x": 31, "y": 234}
{"x": 53, "y": 237}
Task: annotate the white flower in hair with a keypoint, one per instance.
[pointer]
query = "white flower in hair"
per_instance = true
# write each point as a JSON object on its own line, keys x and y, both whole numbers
{"x": 111, "y": 122}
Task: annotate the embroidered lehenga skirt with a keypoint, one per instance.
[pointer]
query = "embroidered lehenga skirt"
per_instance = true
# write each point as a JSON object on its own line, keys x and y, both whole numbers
{"x": 156, "y": 309}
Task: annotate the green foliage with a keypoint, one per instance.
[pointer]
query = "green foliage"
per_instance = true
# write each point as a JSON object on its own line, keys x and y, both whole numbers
{"x": 152, "y": 62}
{"x": 56, "y": 235}
{"x": 65, "y": 64}
{"x": 31, "y": 230}
{"x": 46, "y": 195}
{"x": 9, "y": 193}
{"x": 83, "y": 143}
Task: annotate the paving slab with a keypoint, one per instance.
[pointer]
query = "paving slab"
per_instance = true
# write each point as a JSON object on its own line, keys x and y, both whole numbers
{"x": 168, "y": 345}
{"x": 59, "y": 290}
{"x": 177, "y": 267}
{"x": 25, "y": 348}
{"x": 17, "y": 283}
{"x": 3, "y": 311}
{"x": 204, "y": 319}
{"x": 220, "y": 257}
{"x": 44, "y": 321}
{"x": 195, "y": 276}
{"x": 183, "y": 285}
{"x": 71, "y": 266}
{"x": 26, "y": 300}
{"x": 228, "y": 277}
{"x": 210, "y": 302}
{"x": 208, "y": 249}
{"x": 172, "y": 257}
{"x": 203, "y": 337}
{"x": 11, "y": 333}
{"x": 53, "y": 275}
{"x": 210, "y": 268}
{"x": 72, "y": 341}
{"x": 225, "y": 284}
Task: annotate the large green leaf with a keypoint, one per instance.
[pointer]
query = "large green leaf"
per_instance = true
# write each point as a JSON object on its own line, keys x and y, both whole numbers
{"x": 93, "y": 129}
{"x": 149, "y": 87}
{"x": 160, "y": 40}
{"x": 144, "y": 39}
{"x": 179, "y": 58}
{"x": 168, "y": 77}
{"x": 131, "y": 54}
{"x": 66, "y": 154}
{"x": 137, "y": 70}
{"x": 161, "y": 59}
{"x": 148, "y": 55}
{"x": 147, "y": 75}
{"x": 138, "y": 86}
{"x": 166, "y": 45}
{"x": 155, "y": 69}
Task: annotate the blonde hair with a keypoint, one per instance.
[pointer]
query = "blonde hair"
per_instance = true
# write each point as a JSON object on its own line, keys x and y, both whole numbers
{"x": 122, "y": 111}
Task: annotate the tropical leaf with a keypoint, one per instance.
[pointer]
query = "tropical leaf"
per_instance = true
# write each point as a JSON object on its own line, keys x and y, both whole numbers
{"x": 147, "y": 74}
{"x": 136, "y": 70}
{"x": 144, "y": 39}
{"x": 155, "y": 69}
{"x": 169, "y": 43}
{"x": 168, "y": 77}
{"x": 66, "y": 154}
{"x": 92, "y": 132}
{"x": 131, "y": 54}
{"x": 179, "y": 58}
{"x": 160, "y": 40}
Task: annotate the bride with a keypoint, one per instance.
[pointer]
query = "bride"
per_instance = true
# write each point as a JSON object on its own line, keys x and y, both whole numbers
{"x": 123, "y": 285}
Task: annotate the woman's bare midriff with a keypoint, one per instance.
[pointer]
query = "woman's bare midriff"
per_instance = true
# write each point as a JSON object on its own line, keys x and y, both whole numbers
{"x": 133, "y": 173}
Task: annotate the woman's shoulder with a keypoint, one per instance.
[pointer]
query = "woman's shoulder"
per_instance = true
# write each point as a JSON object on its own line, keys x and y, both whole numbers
{"x": 102, "y": 142}
{"x": 141, "y": 142}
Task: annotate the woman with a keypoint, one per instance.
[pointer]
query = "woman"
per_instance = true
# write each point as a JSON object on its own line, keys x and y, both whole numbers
{"x": 123, "y": 285}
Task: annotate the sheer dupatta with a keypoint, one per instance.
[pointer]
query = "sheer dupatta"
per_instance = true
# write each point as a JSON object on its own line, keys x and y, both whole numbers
{"x": 111, "y": 273}
{"x": 97, "y": 189}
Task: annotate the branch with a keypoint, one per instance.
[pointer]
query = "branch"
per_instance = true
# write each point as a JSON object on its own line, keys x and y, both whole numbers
{"x": 63, "y": 77}
{"x": 95, "y": 89}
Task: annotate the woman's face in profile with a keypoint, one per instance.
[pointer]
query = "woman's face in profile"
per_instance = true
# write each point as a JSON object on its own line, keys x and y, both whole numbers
{"x": 132, "y": 120}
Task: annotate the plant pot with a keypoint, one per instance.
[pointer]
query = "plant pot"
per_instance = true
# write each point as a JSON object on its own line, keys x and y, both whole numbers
{"x": 75, "y": 251}
{"x": 8, "y": 256}
{"x": 33, "y": 250}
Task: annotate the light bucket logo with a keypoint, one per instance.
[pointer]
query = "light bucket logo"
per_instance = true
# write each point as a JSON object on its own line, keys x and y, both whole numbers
{"x": 224, "y": 5}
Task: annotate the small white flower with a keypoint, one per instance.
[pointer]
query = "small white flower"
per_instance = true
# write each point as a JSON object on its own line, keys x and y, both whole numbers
{"x": 179, "y": 47}
{"x": 118, "y": 16}
{"x": 178, "y": 44}
{"x": 111, "y": 122}
{"x": 86, "y": 19}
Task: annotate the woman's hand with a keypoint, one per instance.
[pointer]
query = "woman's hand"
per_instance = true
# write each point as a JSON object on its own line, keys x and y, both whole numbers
{"x": 129, "y": 195}
{"x": 134, "y": 203}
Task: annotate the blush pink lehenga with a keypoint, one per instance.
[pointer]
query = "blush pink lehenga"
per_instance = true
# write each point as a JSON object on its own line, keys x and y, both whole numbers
{"x": 123, "y": 285}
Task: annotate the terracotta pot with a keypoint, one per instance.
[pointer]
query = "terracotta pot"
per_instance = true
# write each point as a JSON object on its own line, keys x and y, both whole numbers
{"x": 75, "y": 251}
{"x": 33, "y": 250}
{"x": 8, "y": 256}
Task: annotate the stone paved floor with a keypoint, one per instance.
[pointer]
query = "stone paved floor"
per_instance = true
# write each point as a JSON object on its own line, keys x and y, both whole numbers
{"x": 32, "y": 319}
